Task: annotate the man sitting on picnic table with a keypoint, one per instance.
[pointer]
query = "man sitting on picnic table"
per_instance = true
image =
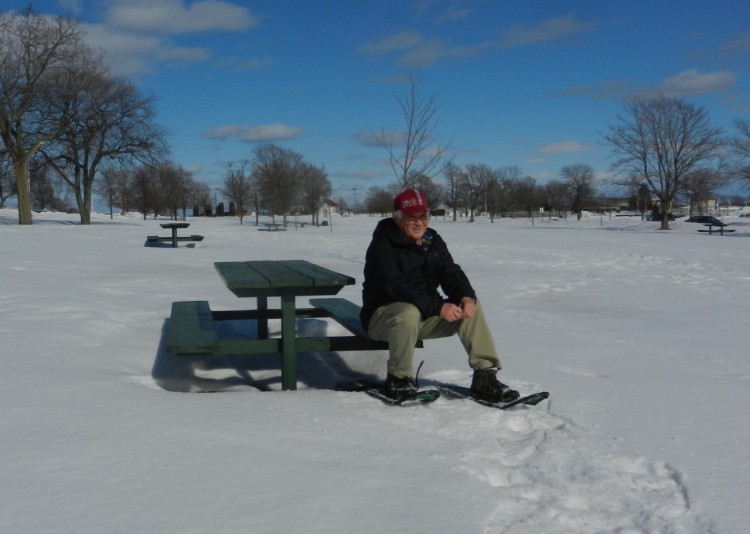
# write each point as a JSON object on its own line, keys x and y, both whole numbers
{"x": 405, "y": 264}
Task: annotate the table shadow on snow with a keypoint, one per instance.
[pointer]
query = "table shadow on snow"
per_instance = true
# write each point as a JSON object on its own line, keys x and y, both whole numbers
{"x": 166, "y": 244}
{"x": 237, "y": 372}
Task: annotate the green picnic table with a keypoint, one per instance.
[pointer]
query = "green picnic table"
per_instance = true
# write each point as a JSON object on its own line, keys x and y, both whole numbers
{"x": 192, "y": 325}
{"x": 721, "y": 226}
{"x": 174, "y": 226}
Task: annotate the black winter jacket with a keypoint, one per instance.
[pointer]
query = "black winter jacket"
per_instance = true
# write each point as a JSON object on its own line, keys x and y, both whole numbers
{"x": 397, "y": 270}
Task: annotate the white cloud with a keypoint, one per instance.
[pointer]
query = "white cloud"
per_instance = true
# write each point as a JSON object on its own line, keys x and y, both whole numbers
{"x": 254, "y": 134}
{"x": 393, "y": 43}
{"x": 172, "y": 17}
{"x": 415, "y": 50}
{"x": 71, "y": 6}
{"x": 615, "y": 89}
{"x": 453, "y": 14}
{"x": 182, "y": 54}
{"x": 544, "y": 32}
{"x": 126, "y": 54}
{"x": 257, "y": 63}
{"x": 694, "y": 83}
{"x": 379, "y": 139}
{"x": 433, "y": 50}
{"x": 564, "y": 147}
{"x": 135, "y": 34}
{"x": 740, "y": 45}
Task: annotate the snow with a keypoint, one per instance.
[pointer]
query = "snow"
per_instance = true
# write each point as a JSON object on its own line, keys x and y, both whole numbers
{"x": 639, "y": 334}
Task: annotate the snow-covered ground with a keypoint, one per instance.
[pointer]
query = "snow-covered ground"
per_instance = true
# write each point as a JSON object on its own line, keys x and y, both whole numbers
{"x": 640, "y": 335}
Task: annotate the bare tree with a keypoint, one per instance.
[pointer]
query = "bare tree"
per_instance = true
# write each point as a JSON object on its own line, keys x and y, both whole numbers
{"x": 278, "y": 170}
{"x": 42, "y": 191}
{"x": 493, "y": 198}
{"x": 453, "y": 190}
{"x": 555, "y": 196}
{"x": 114, "y": 188}
{"x": 417, "y": 151}
{"x": 508, "y": 177}
{"x": 432, "y": 191}
{"x": 580, "y": 180}
{"x": 477, "y": 181}
{"x": 107, "y": 120}
{"x": 637, "y": 191}
{"x": 699, "y": 186}
{"x": 175, "y": 188}
{"x": 379, "y": 200}
{"x": 34, "y": 50}
{"x": 525, "y": 195}
{"x": 238, "y": 186}
{"x": 740, "y": 145}
{"x": 315, "y": 188}
{"x": 256, "y": 194}
{"x": 662, "y": 140}
{"x": 200, "y": 197}
{"x": 145, "y": 190}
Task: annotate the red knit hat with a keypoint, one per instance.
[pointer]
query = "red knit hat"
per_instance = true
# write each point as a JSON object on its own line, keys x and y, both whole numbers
{"x": 410, "y": 201}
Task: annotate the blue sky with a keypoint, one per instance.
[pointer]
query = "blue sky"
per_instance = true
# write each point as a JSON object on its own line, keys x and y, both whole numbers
{"x": 527, "y": 83}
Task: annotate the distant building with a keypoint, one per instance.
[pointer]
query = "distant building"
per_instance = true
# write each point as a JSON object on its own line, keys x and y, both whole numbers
{"x": 329, "y": 209}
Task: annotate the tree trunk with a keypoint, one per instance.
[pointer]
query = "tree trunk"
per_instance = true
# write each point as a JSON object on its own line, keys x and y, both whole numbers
{"x": 86, "y": 210}
{"x": 85, "y": 204}
{"x": 23, "y": 191}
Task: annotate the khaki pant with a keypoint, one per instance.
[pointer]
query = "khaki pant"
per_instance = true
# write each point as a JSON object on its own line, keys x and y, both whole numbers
{"x": 400, "y": 324}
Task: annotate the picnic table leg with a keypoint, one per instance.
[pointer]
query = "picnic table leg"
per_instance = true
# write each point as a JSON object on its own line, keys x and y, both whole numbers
{"x": 263, "y": 321}
{"x": 288, "y": 343}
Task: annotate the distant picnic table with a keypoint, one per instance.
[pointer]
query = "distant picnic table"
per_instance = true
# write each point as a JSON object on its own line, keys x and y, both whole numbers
{"x": 174, "y": 226}
{"x": 720, "y": 226}
{"x": 272, "y": 227}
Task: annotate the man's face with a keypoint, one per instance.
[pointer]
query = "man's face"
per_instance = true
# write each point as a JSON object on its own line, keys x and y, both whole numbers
{"x": 413, "y": 226}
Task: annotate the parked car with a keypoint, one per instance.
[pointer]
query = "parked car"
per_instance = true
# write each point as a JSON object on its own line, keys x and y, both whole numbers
{"x": 705, "y": 219}
{"x": 657, "y": 217}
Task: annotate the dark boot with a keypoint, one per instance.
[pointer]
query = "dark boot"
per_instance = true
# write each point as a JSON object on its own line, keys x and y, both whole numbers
{"x": 398, "y": 388}
{"x": 486, "y": 386}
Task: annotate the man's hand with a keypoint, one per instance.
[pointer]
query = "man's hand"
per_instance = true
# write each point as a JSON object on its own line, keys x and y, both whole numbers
{"x": 450, "y": 312}
{"x": 468, "y": 307}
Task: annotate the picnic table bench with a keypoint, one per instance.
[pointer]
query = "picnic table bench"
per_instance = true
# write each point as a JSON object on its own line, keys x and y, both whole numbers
{"x": 272, "y": 227}
{"x": 720, "y": 226}
{"x": 193, "y": 325}
{"x": 174, "y": 239}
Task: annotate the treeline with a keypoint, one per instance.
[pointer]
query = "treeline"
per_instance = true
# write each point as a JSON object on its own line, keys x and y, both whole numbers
{"x": 665, "y": 151}
{"x": 507, "y": 191}
{"x": 153, "y": 190}
{"x": 477, "y": 188}
{"x": 276, "y": 180}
